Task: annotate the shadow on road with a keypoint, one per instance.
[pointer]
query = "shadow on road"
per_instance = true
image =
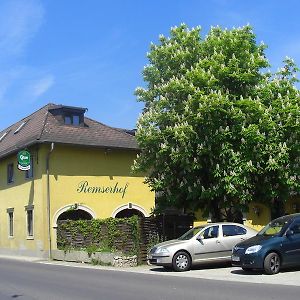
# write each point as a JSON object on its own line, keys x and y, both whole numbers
{"x": 206, "y": 266}
{"x": 242, "y": 272}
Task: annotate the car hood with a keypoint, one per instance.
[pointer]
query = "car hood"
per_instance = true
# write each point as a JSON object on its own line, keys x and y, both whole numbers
{"x": 256, "y": 240}
{"x": 170, "y": 243}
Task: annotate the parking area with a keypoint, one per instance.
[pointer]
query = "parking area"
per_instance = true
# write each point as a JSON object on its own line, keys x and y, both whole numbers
{"x": 228, "y": 273}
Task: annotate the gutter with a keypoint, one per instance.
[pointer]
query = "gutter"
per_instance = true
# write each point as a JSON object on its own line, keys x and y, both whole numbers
{"x": 48, "y": 199}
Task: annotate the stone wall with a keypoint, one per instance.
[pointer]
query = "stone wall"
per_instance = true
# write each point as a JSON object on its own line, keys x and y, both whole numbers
{"x": 101, "y": 258}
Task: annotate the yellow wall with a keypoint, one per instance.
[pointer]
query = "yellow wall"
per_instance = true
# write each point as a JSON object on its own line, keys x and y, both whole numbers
{"x": 69, "y": 166}
{"x": 258, "y": 214}
{"x": 22, "y": 192}
{"x": 254, "y": 220}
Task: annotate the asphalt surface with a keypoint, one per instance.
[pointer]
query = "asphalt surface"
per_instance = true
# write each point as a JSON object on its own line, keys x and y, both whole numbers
{"x": 28, "y": 278}
{"x": 222, "y": 272}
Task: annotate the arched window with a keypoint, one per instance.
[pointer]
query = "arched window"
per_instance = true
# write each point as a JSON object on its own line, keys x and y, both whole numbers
{"x": 75, "y": 214}
{"x": 127, "y": 213}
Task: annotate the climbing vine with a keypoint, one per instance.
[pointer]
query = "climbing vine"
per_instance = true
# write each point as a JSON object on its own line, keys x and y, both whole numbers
{"x": 100, "y": 235}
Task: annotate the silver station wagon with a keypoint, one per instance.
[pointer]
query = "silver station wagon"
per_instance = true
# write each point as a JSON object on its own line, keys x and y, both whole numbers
{"x": 201, "y": 244}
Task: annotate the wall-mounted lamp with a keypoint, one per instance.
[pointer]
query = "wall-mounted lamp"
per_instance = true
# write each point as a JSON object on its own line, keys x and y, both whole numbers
{"x": 256, "y": 210}
{"x": 74, "y": 206}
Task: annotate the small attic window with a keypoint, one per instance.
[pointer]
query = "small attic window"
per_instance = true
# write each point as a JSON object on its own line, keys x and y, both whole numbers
{"x": 3, "y": 136}
{"x": 72, "y": 120}
{"x": 20, "y": 127}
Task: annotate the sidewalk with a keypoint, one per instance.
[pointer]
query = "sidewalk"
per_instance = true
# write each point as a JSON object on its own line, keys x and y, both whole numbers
{"x": 211, "y": 272}
{"x": 22, "y": 258}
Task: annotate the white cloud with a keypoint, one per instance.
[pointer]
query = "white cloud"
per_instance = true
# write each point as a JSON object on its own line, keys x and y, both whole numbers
{"x": 19, "y": 21}
{"x": 7, "y": 80}
{"x": 41, "y": 86}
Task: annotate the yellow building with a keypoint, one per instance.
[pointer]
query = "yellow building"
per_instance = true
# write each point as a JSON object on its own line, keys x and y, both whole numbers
{"x": 79, "y": 168}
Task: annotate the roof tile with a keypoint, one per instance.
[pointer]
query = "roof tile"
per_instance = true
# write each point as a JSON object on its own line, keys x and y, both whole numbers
{"x": 42, "y": 126}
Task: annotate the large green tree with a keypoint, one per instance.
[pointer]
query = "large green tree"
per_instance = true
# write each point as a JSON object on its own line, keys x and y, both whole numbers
{"x": 217, "y": 131}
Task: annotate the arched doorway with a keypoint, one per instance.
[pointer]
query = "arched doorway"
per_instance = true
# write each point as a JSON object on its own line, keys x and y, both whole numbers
{"x": 75, "y": 214}
{"x": 127, "y": 213}
{"x": 70, "y": 212}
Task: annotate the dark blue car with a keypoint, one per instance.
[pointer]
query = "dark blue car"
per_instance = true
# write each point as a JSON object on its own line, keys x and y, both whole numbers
{"x": 277, "y": 245}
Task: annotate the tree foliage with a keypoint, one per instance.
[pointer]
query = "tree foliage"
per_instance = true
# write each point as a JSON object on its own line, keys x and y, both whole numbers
{"x": 217, "y": 131}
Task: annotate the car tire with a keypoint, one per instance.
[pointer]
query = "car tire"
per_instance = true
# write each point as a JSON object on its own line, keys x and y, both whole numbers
{"x": 181, "y": 261}
{"x": 272, "y": 263}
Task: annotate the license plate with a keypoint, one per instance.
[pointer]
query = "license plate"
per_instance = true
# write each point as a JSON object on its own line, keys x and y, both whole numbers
{"x": 235, "y": 258}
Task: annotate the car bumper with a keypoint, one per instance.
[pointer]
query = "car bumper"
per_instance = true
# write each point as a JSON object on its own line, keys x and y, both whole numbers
{"x": 252, "y": 261}
{"x": 160, "y": 260}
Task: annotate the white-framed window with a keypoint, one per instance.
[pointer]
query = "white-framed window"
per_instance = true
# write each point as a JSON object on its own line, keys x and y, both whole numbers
{"x": 10, "y": 213}
{"x": 29, "y": 221}
{"x": 10, "y": 173}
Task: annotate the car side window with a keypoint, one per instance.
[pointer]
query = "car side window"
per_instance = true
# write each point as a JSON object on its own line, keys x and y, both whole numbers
{"x": 232, "y": 230}
{"x": 210, "y": 232}
{"x": 296, "y": 228}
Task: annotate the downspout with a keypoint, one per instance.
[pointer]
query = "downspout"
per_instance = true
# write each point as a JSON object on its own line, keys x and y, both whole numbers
{"x": 48, "y": 199}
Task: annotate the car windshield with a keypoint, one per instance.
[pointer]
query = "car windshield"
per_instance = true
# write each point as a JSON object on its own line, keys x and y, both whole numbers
{"x": 191, "y": 233}
{"x": 273, "y": 228}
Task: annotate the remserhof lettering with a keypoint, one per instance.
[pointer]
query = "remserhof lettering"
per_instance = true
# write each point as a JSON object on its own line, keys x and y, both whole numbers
{"x": 84, "y": 187}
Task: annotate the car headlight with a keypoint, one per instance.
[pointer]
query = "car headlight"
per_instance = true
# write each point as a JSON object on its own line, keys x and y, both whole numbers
{"x": 162, "y": 251}
{"x": 253, "y": 249}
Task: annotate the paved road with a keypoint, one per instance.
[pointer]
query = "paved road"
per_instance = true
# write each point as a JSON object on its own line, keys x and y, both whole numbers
{"x": 34, "y": 280}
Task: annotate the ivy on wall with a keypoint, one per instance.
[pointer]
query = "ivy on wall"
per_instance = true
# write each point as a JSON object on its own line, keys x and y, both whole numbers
{"x": 100, "y": 235}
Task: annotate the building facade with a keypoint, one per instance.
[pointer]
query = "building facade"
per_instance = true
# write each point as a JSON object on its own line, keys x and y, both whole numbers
{"x": 80, "y": 169}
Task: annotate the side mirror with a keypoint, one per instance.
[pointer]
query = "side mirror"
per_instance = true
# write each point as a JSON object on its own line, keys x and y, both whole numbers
{"x": 289, "y": 233}
{"x": 200, "y": 239}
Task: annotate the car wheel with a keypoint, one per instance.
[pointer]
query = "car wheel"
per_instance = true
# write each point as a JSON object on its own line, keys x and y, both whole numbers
{"x": 272, "y": 263}
{"x": 181, "y": 261}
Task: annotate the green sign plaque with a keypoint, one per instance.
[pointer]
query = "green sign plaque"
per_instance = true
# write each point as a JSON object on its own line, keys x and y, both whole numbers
{"x": 24, "y": 160}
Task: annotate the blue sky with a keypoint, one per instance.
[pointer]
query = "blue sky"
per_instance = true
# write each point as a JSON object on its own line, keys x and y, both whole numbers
{"x": 91, "y": 53}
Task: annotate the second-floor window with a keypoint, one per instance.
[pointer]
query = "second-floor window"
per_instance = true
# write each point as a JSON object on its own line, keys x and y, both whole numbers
{"x": 10, "y": 173}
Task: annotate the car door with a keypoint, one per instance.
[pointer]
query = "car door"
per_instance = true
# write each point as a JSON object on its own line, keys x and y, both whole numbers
{"x": 208, "y": 245}
{"x": 232, "y": 234}
{"x": 291, "y": 245}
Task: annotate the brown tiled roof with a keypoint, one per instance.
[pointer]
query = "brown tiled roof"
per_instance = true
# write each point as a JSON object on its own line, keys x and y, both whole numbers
{"x": 42, "y": 126}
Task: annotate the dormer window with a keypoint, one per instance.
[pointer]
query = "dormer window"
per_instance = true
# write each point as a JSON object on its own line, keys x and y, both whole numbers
{"x": 68, "y": 115}
{"x": 76, "y": 120}
{"x": 72, "y": 120}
